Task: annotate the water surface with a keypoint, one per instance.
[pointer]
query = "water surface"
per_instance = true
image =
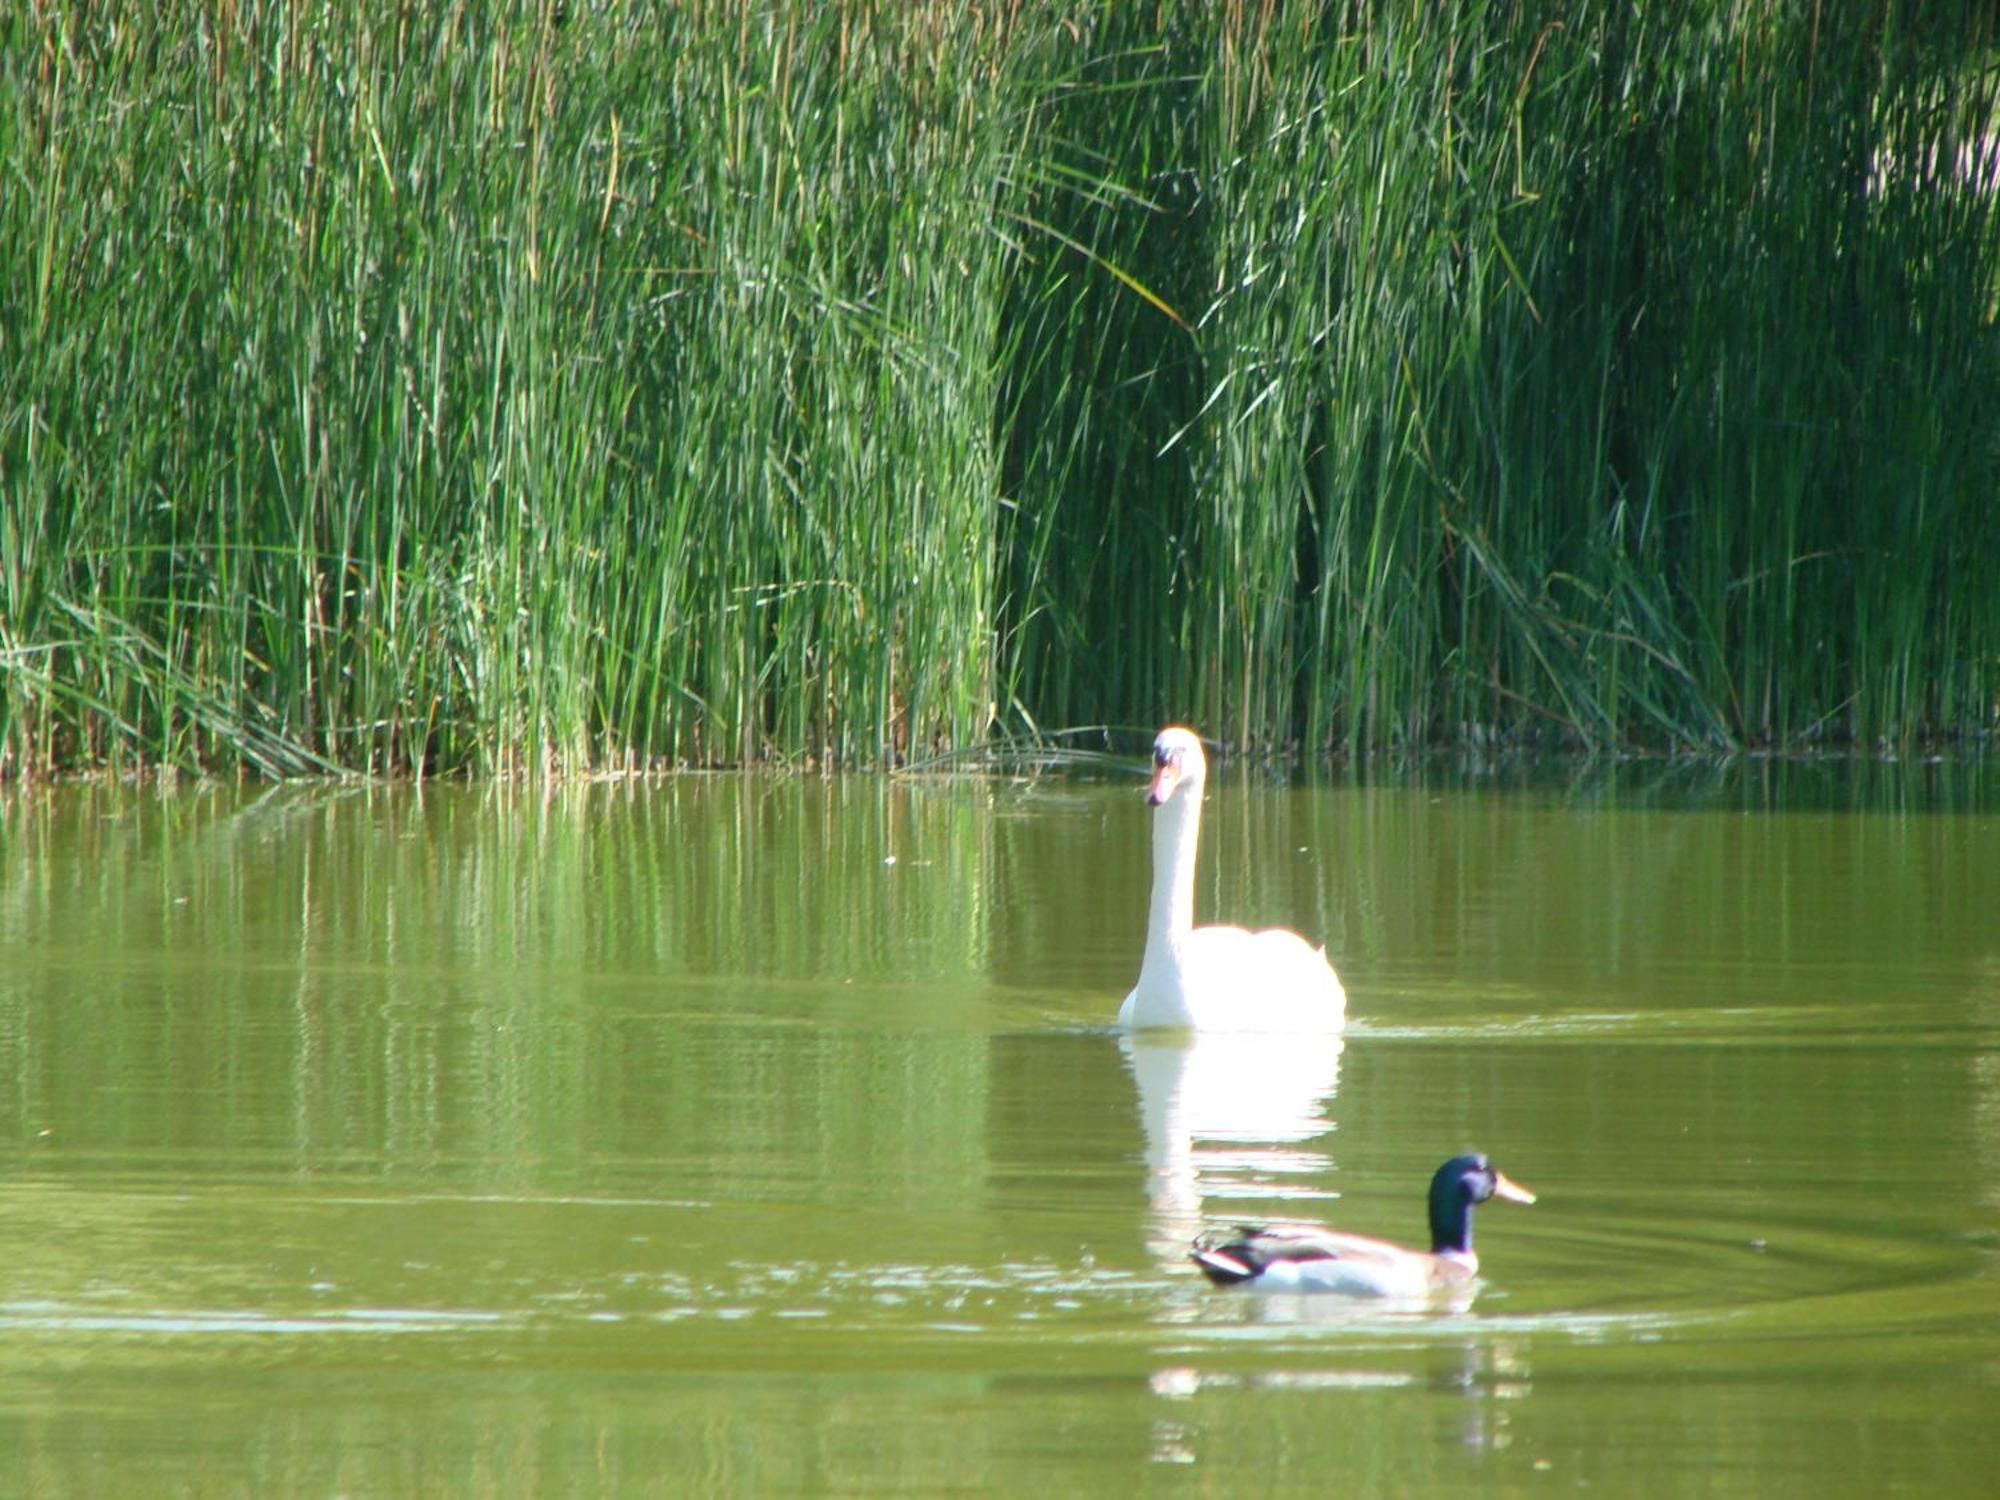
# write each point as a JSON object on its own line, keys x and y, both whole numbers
{"x": 742, "y": 1135}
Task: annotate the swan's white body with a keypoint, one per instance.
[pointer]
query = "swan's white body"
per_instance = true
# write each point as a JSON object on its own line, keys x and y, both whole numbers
{"x": 1215, "y": 978}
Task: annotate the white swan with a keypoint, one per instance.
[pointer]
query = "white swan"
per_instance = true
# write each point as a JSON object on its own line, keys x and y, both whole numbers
{"x": 1215, "y": 978}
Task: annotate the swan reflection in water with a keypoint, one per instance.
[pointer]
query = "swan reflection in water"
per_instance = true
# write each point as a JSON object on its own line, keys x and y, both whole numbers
{"x": 1229, "y": 1115}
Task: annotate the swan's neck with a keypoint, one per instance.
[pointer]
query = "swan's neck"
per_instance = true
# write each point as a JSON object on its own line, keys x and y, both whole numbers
{"x": 1176, "y": 826}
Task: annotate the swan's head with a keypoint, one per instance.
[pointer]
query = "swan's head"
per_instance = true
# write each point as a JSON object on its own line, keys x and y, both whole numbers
{"x": 1177, "y": 762}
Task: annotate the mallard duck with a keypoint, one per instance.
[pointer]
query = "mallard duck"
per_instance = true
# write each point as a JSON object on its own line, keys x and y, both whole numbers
{"x": 1215, "y": 978}
{"x": 1306, "y": 1258}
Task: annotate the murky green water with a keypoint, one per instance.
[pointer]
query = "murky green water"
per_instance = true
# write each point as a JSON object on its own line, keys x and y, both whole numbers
{"x": 754, "y": 1136}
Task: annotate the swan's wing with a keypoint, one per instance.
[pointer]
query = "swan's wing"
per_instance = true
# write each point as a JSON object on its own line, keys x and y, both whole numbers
{"x": 1272, "y": 980}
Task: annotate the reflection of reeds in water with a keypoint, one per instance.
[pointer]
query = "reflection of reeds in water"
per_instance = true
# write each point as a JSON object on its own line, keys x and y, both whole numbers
{"x": 506, "y": 983}
{"x": 1986, "y": 1098}
{"x": 1229, "y": 1115}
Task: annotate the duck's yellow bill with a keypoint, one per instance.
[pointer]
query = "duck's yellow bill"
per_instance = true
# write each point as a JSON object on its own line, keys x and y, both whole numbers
{"x": 1505, "y": 1187}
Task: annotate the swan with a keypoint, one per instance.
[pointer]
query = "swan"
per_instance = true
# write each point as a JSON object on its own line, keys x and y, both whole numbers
{"x": 1215, "y": 978}
{"x": 1306, "y": 1258}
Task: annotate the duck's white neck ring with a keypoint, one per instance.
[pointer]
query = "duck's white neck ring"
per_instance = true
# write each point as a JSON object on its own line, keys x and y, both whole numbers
{"x": 1464, "y": 1259}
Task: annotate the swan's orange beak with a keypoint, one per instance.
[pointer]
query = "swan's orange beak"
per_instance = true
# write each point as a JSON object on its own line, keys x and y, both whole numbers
{"x": 1505, "y": 1187}
{"x": 1166, "y": 776}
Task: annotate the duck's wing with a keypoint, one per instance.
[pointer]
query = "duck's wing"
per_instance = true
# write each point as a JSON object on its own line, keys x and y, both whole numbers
{"x": 1304, "y": 1257}
{"x": 1252, "y": 1249}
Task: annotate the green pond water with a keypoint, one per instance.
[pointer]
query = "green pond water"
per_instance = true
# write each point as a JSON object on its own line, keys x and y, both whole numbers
{"x": 745, "y": 1136}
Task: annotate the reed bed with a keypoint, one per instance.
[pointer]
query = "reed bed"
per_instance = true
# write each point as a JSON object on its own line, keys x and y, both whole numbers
{"x": 572, "y": 387}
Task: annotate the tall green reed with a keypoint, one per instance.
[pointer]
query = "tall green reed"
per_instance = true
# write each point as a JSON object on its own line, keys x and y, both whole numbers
{"x": 579, "y": 387}
{"x": 1532, "y": 385}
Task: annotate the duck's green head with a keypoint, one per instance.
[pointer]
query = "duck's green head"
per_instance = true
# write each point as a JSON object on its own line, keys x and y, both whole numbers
{"x": 1459, "y": 1186}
